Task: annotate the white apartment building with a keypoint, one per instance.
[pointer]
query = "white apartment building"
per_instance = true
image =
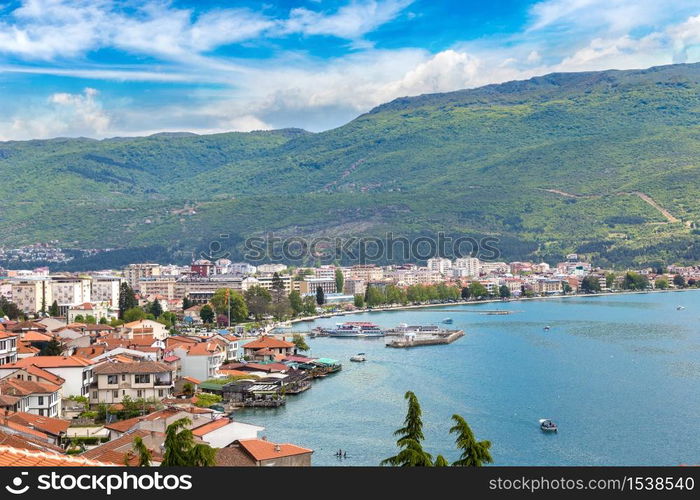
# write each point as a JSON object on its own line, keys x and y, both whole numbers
{"x": 271, "y": 268}
{"x": 201, "y": 361}
{"x": 136, "y": 272}
{"x": 37, "y": 398}
{"x": 106, "y": 289}
{"x": 74, "y": 370}
{"x": 30, "y": 295}
{"x": 68, "y": 291}
{"x": 439, "y": 265}
{"x": 8, "y": 348}
{"x": 466, "y": 267}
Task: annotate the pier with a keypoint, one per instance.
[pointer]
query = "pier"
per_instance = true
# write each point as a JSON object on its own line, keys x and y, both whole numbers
{"x": 421, "y": 340}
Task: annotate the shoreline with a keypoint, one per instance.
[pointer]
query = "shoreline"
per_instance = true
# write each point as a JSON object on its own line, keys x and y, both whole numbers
{"x": 487, "y": 301}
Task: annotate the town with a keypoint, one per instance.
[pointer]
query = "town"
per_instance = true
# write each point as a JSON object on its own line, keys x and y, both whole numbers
{"x": 99, "y": 368}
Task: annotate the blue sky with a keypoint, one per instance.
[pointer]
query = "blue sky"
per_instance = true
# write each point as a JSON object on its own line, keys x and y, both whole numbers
{"x": 103, "y": 68}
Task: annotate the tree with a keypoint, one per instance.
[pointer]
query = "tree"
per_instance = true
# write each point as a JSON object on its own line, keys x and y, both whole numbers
{"x": 207, "y": 314}
{"x": 410, "y": 436}
{"x": 258, "y": 300}
{"x": 300, "y": 343}
{"x": 661, "y": 283}
{"x": 466, "y": 293}
{"x": 186, "y": 303}
{"x": 133, "y": 314}
{"x": 566, "y": 288}
{"x": 474, "y": 453}
{"x": 610, "y": 280}
{"x": 320, "y": 296}
{"x": 142, "y": 451}
{"x": 90, "y": 319}
{"x": 477, "y": 290}
{"x": 78, "y": 318}
{"x": 296, "y": 303}
{"x": 103, "y": 320}
{"x": 359, "y": 301}
{"x": 9, "y": 308}
{"x": 635, "y": 281}
{"x": 181, "y": 450}
{"x": 374, "y": 296}
{"x": 309, "y": 305}
{"x": 679, "y": 281}
{"x": 156, "y": 309}
{"x": 53, "y": 310}
{"x": 127, "y": 299}
{"x": 339, "y": 280}
{"x": 52, "y": 348}
{"x": 590, "y": 284}
{"x": 503, "y": 291}
{"x": 188, "y": 389}
{"x": 277, "y": 283}
{"x": 440, "y": 461}
{"x": 224, "y": 298}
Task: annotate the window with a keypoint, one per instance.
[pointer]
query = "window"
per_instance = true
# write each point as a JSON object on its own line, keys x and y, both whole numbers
{"x": 160, "y": 393}
{"x": 143, "y": 378}
{"x": 123, "y": 377}
{"x": 94, "y": 394}
{"x": 41, "y": 400}
{"x": 139, "y": 393}
{"x": 112, "y": 379}
{"x": 115, "y": 394}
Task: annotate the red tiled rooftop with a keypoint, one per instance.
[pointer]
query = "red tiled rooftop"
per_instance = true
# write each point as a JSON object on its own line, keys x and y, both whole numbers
{"x": 17, "y": 457}
{"x": 265, "y": 450}
{"x": 269, "y": 343}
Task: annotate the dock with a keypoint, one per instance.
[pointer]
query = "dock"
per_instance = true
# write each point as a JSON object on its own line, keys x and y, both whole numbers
{"x": 421, "y": 340}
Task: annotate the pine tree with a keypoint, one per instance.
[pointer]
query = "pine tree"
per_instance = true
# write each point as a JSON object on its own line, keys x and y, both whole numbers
{"x": 52, "y": 348}
{"x": 207, "y": 314}
{"x": 156, "y": 309}
{"x": 142, "y": 451}
{"x": 127, "y": 299}
{"x": 53, "y": 310}
{"x": 410, "y": 438}
{"x": 339, "y": 280}
{"x": 320, "y": 296}
{"x": 474, "y": 453}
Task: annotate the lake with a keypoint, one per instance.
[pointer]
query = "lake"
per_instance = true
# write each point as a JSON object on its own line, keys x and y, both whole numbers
{"x": 619, "y": 374}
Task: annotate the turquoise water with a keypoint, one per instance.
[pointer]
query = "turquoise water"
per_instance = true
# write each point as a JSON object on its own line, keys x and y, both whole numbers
{"x": 619, "y": 374}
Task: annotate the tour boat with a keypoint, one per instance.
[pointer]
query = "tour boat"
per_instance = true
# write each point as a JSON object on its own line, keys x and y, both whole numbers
{"x": 356, "y": 329}
{"x": 359, "y": 357}
{"x": 547, "y": 425}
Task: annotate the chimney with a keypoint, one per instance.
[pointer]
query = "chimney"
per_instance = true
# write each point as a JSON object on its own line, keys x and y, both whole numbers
{"x": 277, "y": 448}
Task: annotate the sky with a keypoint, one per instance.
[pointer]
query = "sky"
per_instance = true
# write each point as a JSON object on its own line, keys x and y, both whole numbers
{"x": 105, "y": 68}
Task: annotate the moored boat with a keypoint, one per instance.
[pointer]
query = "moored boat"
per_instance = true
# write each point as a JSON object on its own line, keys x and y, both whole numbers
{"x": 359, "y": 357}
{"x": 447, "y": 321}
{"x": 356, "y": 329}
{"x": 547, "y": 425}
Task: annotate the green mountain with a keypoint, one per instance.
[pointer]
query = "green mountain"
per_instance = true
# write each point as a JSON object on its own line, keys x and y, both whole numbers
{"x": 602, "y": 163}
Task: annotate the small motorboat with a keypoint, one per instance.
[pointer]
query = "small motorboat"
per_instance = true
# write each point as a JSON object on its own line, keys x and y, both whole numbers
{"x": 547, "y": 328}
{"x": 447, "y": 321}
{"x": 547, "y": 425}
{"x": 359, "y": 357}
{"x": 679, "y": 308}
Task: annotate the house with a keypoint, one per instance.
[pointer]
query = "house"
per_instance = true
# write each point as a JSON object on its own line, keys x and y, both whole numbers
{"x": 140, "y": 379}
{"x": 201, "y": 360}
{"x": 38, "y": 398}
{"x": 8, "y": 348}
{"x": 146, "y": 327}
{"x": 268, "y": 344}
{"x": 95, "y": 309}
{"x": 74, "y": 370}
{"x": 263, "y": 453}
{"x": 223, "y": 432}
{"x": 48, "y": 429}
{"x": 120, "y": 451}
{"x": 21, "y": 457}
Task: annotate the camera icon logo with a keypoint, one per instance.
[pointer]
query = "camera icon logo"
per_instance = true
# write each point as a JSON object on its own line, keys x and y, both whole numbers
{"x": 17, "y": 488}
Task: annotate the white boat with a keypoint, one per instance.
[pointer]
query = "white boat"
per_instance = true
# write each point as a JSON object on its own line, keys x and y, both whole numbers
{"x": 547, "y": 328}
{"x": 679, "y": 308}
{"x": 356, "y": 329}
{"x": 359, "y": 357}
{"x": 547, "y": 425}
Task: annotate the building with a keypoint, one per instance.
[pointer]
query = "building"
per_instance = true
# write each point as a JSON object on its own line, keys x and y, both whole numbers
{"x": 31, "y": 295}
{"x": 271, "y": 268}
{"x": 201, "y": 360}
{"x": 95, "y": 309}
{"x": 365, "y": 273}
{"x": 263, "y": 453}
{"x": 134, "y": 273}
{"x": 74, "y": 370}
{"x": 466, "y": 267}
{"x": 310, "y": 285}
{"x": 141, "y": 379}
{"x": 202, "y": 267}
{"x": 8, "y": 347}
{"x": 164, "y": 285}
{"x": 106, "y": 289}
{"x": 35, "y": 397}
{"x": 252, "y": 349}
{"x": 439, "y": 265}
{"x": 69, "y": 291}
{"x": 146, "y": 327}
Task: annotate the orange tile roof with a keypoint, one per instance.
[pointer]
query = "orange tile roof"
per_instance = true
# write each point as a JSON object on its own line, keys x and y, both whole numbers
{"x": 16, "y": 457}
{"x": 43, "y": 374}
{"x": 268, "y": 342}
{"x": 118, "y": 451}
{"x": 125, "y": 425}
{"x": 26, "y": 442}
{"x": 18, "y": 387}
{"x": 51, "y": 362}
{"x": 260, "y": 449}
{"x": 90, "y": 352}
{"x": 25, "y": 348}
{"x": 210, "y": 427}
{"x": 48, "y": 425}
{"x": 204, "y": 349}
{"x": 34, "y": 336}
{"x": 192, "y": 379}
{"x": 23, "y": 429}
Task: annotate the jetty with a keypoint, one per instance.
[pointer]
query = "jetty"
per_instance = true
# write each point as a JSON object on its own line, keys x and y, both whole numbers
{"x": 442, "y": 338}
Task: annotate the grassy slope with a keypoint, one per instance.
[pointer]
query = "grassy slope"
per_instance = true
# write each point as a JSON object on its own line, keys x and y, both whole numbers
{"x": 473, "y": 162}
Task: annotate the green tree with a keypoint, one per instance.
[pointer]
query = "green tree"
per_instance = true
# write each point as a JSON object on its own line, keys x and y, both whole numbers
{"x": 320, "y": 296}
{"x": 440, "y": 461}
{"x": 300, "y": 342}
{"x": 477, "y": 290}
{"x": 679, "y": 281}
{"x": 90, "y": 319}
{"x": 359, "y": 301}
{"x": 410, "y": 437}
{"x": 181, "y": 450}
{"x": 127, "y": 299}
{"x": 465, "y": 293}
{"x": 207, "y": 314}
{"x": 309, "y": 305}
{"x": 52, "y": 348}
{"x": 144, "y": 454}
{"x": 134, "y": 314}
{"x": 590, "y": 284}
{"x": 661, "y": 283}
{"x": 503, "y": 291}
{"x": 374, "y": 296}
{"x": 339, "y": 280}
{"x": 78, "y": 318}
{"x": 566, "y": 288}
{"x": 186, "y": 303}
{"x": 296, "y": 303}
{"x": 258, "y": 301}
{"x": 103, "y": 320}
{"x": 224, "y": 298}
{"x": 188, "y": 389}
{"x": 474, "y": 453}
{"x": 53, "y": 310}
{"x": 9, "y": 308}
{"x": 635, "y": 281}
{"x": 610, "y": 280}
{"x": 156, "y": 309}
